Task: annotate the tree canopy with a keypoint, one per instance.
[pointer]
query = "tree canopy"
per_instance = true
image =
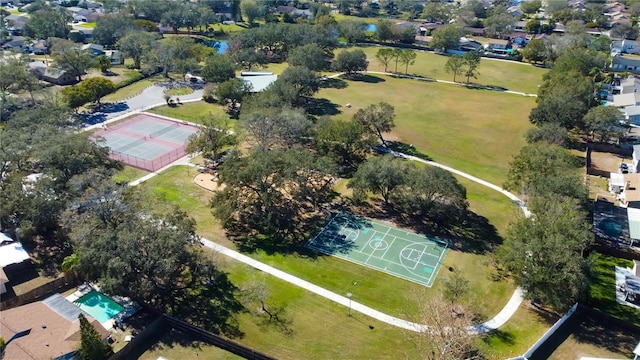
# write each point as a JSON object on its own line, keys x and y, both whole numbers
{"x": 377, "y": 119}
{"x": 351, "y": 62}
{"x": 446, "y": 38}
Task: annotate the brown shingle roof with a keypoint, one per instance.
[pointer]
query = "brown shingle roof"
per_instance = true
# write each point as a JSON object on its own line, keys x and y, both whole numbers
{"x": 50, "y": 335}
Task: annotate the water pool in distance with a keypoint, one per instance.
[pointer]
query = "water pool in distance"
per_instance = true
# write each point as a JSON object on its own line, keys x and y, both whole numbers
{"x": 99, "y": 306}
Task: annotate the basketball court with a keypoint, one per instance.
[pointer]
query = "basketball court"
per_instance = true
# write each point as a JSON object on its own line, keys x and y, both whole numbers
{"x": 146, "y": 141}
{"x": 388, "y": 249}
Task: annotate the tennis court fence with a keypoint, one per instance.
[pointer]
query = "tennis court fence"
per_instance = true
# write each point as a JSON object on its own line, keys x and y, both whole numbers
{"x": 150, "y": 165}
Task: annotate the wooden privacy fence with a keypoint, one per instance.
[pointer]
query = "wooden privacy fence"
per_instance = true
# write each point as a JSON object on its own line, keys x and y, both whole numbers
{"x": 57, "y": 285}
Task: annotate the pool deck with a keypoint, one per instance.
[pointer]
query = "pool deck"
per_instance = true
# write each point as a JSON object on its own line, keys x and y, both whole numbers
{"x": 130, "y": 307}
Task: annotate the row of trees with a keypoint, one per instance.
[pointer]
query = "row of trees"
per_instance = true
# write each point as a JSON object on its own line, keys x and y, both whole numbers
{"x": 546, "y": 252}
{"x": 405, "y": 57}
{"x": 466, "y": 65}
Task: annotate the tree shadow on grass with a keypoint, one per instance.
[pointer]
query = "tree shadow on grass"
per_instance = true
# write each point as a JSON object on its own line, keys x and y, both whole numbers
{"x": 333, "y": 83}
{"x": 408, "y": 149}
{"x": 320, "y": 107}
{"x": 365, "y": 78}
{"x": 463, "y": 230}
{"x": 504, "y": 337}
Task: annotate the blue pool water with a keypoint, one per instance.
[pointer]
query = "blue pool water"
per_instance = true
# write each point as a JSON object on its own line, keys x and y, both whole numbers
{"x": 371, "y": 28}
{"x": 99, "y": 306}
{"x": 611, "y": 229}
{"x": 221, "y": 46}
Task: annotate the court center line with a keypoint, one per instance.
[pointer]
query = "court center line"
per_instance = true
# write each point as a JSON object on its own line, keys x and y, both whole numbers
{"x": 389, "y": 247}
{"x": 375, "y": 249}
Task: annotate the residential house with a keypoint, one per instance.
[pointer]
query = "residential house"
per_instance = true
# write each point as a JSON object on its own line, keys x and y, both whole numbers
{"x": 51, "y": 74}
{"x": 115, "y": 56}
{"x": 39, "y": 47}
{"x": 79, "y": 11}
{"x": 284, "y": 9}
{"x": 12, "y": 256}
{"x": 560, "y": 28}
{"x": 629, "y": 195}
{"x": 519, "y": 38}
{"x": 498, "y": 46}
{"x": 636, "y": 160}
{"x": 515, "y": 11}
{"x": 15, "y": 44}
{"x": 94, "y": 16}
{"x": 474, "y": 31}
{"x": 47, "y": 329}
{"x": 519, "y": 26}
{"x": 470, "y": 45}
{"x": 613, "y": 7}
{"x": 94, "y": 49}
{"x": 79, "y": 18}
{"x": 621, "y": 63}
{"x": 632, "y": 114}
{"x": 86, "y": 32}
{"x": 15, "y": 24}
{"x": 625, "y": 46}
{"x": 577, "y": 5}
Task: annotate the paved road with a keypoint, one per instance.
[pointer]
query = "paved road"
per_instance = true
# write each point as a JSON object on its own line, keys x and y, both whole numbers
{"x": 151, "y": 97}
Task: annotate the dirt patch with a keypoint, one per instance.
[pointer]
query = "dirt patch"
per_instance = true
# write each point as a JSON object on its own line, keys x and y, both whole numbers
{"x": 208, "y": 181}
{"x": 608, "y": 161}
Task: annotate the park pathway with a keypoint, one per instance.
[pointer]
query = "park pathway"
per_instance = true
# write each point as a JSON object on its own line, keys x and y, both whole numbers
{"x": 452, "y": 83}
{"x": 497, "y": 321}
{"x": 153, "y": 96}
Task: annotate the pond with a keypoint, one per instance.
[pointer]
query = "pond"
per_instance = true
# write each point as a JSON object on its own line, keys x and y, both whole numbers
{"x": 371, "y": 28}
{"x": 221, "y": 46}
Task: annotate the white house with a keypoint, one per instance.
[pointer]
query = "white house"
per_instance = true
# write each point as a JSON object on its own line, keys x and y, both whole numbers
{"x": 636, "y": 158}
{"x": 11, "y": 253}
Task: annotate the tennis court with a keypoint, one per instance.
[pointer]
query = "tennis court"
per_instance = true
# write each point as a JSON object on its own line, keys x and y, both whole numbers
{"x": 388, "y": 249}
{"x": 146, "y": 141}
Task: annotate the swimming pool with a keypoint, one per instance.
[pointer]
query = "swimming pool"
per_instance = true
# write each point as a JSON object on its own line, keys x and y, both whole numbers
{"x": 611, "y": 229}
{"x": 99, "y": 306}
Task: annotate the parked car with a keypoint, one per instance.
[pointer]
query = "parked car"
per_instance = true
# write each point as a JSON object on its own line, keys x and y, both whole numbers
{"x": 624, "y": 168}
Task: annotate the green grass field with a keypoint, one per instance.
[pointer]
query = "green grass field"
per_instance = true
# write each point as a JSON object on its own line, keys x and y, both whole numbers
{"x": 381, "y": 291}
{"x": 476, "y": 131}
{"x": 129, "y": 91}
{"x": 602, "y": 294}
{"x": 191, "y": 111}
{"x": 507, "y": 74}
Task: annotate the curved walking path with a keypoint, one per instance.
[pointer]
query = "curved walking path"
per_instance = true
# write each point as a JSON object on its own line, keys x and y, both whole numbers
{"x": 154, "y": 93}
{"x": 497, "y": 321}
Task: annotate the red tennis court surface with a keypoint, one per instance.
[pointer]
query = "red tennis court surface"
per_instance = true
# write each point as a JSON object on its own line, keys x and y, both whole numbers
{"x": 145, "y": 141}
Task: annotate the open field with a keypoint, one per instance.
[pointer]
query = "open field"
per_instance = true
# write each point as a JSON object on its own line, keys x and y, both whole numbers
{"x": 191, "y": 111}
{"x": 374, "y": 288}
{"x": 507, "y": 74}
{"x": 589, "y": 335}
{"x": 476, "y": 131}
{"x": 602, "y": 294}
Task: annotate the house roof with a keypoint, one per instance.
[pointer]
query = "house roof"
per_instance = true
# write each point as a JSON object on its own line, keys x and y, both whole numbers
{"x": 5, "y": 238}
{"x": 633, "y": 110}
{"x": 259, "y": 83}
{"x": 624, "y": 61}
{"x": 627, "y": 99}
{"x": 45, "y": 333}
{"x": 634, "y": 223}
{"x": 12, "y": 253}
{"x": 636, "y": 266}
{"x": 16, "y": 18}
{"x": 616, "y": 179}
{"x": 3, "y": 276}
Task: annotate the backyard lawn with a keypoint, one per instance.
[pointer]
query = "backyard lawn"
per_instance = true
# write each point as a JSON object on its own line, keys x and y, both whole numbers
{"x": 476, "y": 131}
{"x": 602, "y": 294}
{"x": 507, "y": 74}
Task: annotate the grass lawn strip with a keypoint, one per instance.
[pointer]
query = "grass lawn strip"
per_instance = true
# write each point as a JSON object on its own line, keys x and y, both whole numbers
{"x": 602, "y": 294}
{"x": 192, "y": 111}
{"x": 487, "y": 127}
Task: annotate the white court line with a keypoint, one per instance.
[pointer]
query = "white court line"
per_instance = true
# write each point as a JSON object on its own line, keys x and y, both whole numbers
{"x": 312, "y": 240}
{"x": 388, "y": 247}
{"x": 375, "y": 249}
{"x": 367, "y": 243}
{"x": 438, "y": 264}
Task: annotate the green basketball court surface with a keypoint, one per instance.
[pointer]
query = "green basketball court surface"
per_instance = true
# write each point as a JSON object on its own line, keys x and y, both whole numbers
{"x": 391, "y": 250}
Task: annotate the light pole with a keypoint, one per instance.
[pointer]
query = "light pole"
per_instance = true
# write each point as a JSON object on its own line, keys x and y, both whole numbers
{"x": 349, "y": 296}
